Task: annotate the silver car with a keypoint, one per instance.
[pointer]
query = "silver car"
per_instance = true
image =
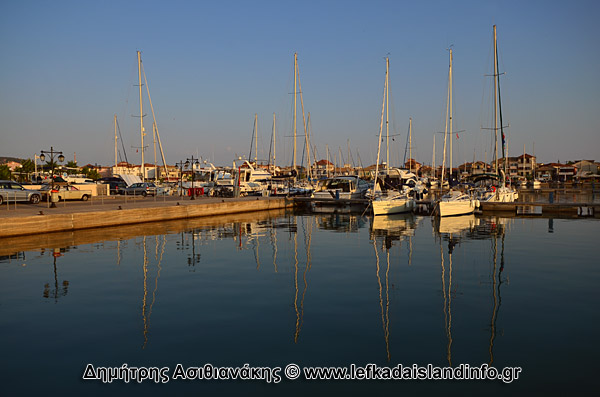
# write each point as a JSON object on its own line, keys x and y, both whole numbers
{"x": 12, "y": 191}
{"x": 140, "y": 189}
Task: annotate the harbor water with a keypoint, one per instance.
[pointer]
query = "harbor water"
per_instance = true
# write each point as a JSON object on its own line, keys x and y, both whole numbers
{"x": 274, "y": 288}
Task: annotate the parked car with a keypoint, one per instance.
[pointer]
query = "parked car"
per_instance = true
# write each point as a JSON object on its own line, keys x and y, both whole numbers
{"x": 140, "y": 189}
{"x": 116, "y": 187}
{"x": 67, "y": 192}
{"x": 12, "y": 191}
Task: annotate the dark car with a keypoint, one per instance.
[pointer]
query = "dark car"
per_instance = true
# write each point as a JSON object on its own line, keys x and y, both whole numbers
{"x": 140, "y": 189}
{"x": 116, "y": 187}
{"x": 115, "y": 184}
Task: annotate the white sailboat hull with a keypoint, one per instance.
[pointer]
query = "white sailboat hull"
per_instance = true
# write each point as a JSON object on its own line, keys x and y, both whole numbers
{"x": 501, "y": 195}
{"x": 451, "y": 208}
{"x": 393, "y": 205}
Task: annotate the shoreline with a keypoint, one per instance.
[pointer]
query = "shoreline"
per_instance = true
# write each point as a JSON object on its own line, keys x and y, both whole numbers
{"x": 36, "y": 219}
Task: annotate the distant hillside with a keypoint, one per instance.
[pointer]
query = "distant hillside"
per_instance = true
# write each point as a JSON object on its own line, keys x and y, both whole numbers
{"x": 4, "y": 159}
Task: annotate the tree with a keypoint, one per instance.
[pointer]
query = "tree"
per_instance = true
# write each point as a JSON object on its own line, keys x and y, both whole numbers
{"x": 5, "y": 172}
{"x": 90, "y": 173}
{"x": 27, "y": 166}
{"x": 72, "y": 167}
{"x": 50, "y": 165}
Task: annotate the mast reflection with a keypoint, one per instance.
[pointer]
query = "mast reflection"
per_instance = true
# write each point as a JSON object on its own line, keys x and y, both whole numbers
{"x": 456, "y": 230}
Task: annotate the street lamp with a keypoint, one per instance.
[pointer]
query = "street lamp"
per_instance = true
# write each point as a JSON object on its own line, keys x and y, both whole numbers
{"x": 180, "y": 165}
{"x": 190, "y": 162}
{"x": 61, "y": 158}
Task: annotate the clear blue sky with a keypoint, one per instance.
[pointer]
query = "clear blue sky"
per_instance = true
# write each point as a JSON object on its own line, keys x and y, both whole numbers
{"x": 68, "y": 66}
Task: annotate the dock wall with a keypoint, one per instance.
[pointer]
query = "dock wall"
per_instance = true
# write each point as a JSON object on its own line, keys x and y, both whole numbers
{"x": 37, "y": 224}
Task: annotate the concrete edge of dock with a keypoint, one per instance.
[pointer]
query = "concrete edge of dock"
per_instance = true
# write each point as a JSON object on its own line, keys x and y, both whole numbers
{"x": 27, "y": 225}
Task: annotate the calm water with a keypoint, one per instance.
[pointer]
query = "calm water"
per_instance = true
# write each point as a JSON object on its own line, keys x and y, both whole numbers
{"x": 271, "y": 289}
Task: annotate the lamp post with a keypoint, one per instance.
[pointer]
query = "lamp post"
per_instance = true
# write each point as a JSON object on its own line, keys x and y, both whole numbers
{"x": 180, "y": 166}
{"x": 61, "y": 158}
{"x": 190, "y": 163}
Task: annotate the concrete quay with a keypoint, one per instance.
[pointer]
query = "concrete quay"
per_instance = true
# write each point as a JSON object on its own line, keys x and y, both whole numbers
{"x": 29, "y": 219}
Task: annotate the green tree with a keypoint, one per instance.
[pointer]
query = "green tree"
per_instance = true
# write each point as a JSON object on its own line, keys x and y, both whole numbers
{"x": 50, "y": 165}
{"x": 27, "y": 166}
{"x": 5, "y": 172}
{"x": 72, "y": 167}
{"x": 90, "y": 173}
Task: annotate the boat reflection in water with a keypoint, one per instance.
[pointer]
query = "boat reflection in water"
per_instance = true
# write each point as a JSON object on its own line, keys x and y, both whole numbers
{"x": 386, "y": 230}
{"x": 460, "y": 229}
{"x": 272, "y": 288}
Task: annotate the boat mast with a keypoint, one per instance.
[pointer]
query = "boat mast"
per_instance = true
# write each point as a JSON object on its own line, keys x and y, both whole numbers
{"x": 156, "y": 134}
{"x": 387, "y": 114}
{"x": 504, "y": 150}
{"x": 139, "y": 56}
{"x": 327, "y": 154}
{"x": 410, "y": 143}
{"x": 255, "y": 139}
{"x": 307, "y": 142}
{"x": 381, "y": 127}
{"x": 116, "y": 141}
{"x": 446, "y": 126}
{"x": 450, "y": 114}
{"x": 433, "y": 157}
{"x": 496, "y": 105}
{"x": 274, "y": 145}
{"x": 295, "y": 105}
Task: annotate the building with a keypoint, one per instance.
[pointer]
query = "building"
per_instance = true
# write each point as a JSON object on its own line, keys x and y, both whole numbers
{"x": 413, "y": 165}
{"x": 520, "y": 167}
{"x": 526, "y": 165}
{"x": 13, "y": 165}
{"x": 555, "y": 172}
{"x": 322, "y": 168}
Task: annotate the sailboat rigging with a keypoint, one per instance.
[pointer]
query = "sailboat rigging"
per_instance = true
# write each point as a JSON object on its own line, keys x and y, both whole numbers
{"x": 454, "y": 202}
{"x": 504, "y": 192}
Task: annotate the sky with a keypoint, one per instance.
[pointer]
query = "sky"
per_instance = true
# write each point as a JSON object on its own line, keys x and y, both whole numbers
{"x": 67, "y": 67}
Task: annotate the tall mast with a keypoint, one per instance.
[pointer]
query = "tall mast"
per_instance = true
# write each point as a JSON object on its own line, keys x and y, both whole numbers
{"x": 433, "y": 157}
{"x": 156, "y": 173}
{"x": 410, "y": 142}
{"x": 450, "y": 115}
{"x": 255, "y": 139}
{"x": 381, "y": 128}
{"x": 274, "y": 145}
{"x": 156, "y": 134}
{"x": 116, "y": 141}
{"x": 504, "y": 150}
{"x": 496, "y": 105}
{"x": 387, "y": 114}
{"x": 307, "y": 142}
{"x": 327, "y": 165}
{"x": 139, "y": 56}
{"x": 295, "y": 105}
{"x": 447, "y": 114}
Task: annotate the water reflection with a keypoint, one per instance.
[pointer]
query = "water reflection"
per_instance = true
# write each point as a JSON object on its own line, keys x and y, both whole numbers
{"x": 385, "y": 232}
{"x": 340, "y": 222}
{"x": 56, "y": 292}
{"x": 158, "y": 256}
{"x": 454, "y": 231}
{"x": 393, "y": 228}
{"x": 280, "y": 287}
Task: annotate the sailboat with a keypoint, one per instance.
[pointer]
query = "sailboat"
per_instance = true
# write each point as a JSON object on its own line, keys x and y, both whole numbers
{"x": 391, "y": 201}
{"x": 455, "y": 202}
{"x": 502, "y": 193}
